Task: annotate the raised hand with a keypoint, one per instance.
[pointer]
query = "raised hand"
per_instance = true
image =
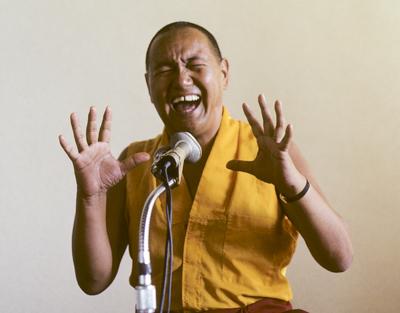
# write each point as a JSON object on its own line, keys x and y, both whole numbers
{"x": 279, "y": 162}
{"x": 96, "y": 169}
{"x": 273, "y": 163}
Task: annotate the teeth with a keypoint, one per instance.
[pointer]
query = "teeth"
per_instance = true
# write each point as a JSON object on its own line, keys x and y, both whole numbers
{"x": 186, "y": 98}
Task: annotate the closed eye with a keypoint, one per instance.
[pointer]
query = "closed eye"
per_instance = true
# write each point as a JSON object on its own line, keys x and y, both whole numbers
{"x": 196, "y": 65}
{"x": 163, "y": 70}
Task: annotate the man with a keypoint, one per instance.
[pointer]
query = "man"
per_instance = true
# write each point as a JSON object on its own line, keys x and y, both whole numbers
{"x": 238, "y": 210}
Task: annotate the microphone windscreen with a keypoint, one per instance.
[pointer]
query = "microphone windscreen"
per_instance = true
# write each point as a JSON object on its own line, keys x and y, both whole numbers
{"x": 194, "y": 153}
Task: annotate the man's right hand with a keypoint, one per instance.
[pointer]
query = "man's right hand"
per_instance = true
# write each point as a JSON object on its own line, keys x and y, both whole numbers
{"x": 100, "y": 233}
{"x": 96, "y": 169}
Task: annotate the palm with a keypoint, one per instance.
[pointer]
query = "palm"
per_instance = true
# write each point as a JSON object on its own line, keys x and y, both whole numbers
{"x": 269, "y": 159}
{"x": 272, "y": 163}
{"x": 96, "y": 170}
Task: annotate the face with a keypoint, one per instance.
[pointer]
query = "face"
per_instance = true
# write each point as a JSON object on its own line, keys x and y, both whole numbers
{"x": 186, "y": 81}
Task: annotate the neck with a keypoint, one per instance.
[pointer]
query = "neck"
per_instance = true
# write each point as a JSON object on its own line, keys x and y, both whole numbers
{"x": 206, "y": 141}
{"x": 193, "y": 171}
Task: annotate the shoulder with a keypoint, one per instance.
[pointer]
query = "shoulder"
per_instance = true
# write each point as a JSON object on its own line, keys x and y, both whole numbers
{"x": 243, "y": 127}
{"x": 246, "y": 136}
{"x": 229, "y": 120}
{"x": 237, "y": 135}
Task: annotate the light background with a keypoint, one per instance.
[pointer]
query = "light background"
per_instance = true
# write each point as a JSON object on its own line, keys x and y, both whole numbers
{"x": 334, "y": 64}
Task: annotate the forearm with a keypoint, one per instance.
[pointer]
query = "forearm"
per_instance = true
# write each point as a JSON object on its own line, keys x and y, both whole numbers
{"x": 91, "y": 248}
{"x": 322, "y": 229}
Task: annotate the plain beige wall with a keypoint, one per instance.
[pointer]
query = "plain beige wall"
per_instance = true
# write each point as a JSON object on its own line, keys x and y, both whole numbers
{"x": 334, "y": 64}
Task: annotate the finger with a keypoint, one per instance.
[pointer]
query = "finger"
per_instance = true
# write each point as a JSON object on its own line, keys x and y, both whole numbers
{"x": 105, "y": 129}
{"x": 241, "y": 166}
{"x": 280, "y": 122}
{"x": 266, "y": 114}
{"x": 78, "y": 135}
{"x": 255, "y": 125}
{"x": 133, "y": 161}
{"x": 91, "y": 127}
{"x": 287, "y": 139}
{"x": 69, "y": 149}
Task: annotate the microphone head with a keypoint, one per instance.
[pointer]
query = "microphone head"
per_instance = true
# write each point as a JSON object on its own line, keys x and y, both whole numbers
{"x": 193, "y": 147}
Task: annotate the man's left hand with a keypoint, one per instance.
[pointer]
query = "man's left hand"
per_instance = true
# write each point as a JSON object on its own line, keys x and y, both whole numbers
{"x": 273, "y": 163}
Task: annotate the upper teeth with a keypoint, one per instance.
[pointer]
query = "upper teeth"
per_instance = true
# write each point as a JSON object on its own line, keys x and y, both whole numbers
{"x": 186, "y": 98}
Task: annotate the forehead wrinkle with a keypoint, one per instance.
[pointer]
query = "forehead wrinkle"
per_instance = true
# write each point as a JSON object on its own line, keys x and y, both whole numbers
{"x": 182, "y": 52}
{"x": 176, "y": 48}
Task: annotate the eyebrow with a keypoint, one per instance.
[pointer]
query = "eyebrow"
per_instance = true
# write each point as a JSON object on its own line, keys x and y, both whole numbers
{"x": 162, "y": 63}
{"x": 196, "y": 58}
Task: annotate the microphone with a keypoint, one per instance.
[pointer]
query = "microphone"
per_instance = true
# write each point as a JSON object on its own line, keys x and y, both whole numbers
{"x": 184, "y": 147}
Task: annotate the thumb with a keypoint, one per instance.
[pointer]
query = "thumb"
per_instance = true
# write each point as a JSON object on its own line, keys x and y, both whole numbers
{"x": 241, "y": 166}
{"x": 134, "y": 160}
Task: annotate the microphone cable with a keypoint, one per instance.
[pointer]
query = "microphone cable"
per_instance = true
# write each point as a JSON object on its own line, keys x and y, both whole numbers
{"x": 169, "y": 253}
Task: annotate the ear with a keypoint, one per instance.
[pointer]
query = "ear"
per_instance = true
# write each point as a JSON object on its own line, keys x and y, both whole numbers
{"x": 225, "y": 72}
{"x": 146, "y": 77}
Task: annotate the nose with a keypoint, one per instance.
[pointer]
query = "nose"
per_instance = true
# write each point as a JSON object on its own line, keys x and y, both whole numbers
{"x": 184, "y": 78}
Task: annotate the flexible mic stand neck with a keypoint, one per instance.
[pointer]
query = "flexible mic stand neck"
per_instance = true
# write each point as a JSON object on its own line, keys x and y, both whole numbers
{"x": 146, "y": 292}
{"x": 168, "y": 167}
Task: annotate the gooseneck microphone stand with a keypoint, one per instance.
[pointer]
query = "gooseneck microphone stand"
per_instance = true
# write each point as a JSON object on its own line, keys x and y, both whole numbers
{"x": 168, "y": 167}
{"x": 146, "y": 292}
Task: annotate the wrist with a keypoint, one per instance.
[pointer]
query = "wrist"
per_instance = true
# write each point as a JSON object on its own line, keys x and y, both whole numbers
{"x": 291, "y": 185}
{"x": 285, "y": 198}
{"x": 90, "y": 201}
{"x": 89, "y": 196}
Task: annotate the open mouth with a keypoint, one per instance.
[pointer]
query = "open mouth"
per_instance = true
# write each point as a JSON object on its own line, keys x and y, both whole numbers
{"x": 186, "y": 104}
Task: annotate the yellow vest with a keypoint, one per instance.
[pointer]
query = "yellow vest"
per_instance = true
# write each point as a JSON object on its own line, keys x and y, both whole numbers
{"x": 232, "y": 246}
